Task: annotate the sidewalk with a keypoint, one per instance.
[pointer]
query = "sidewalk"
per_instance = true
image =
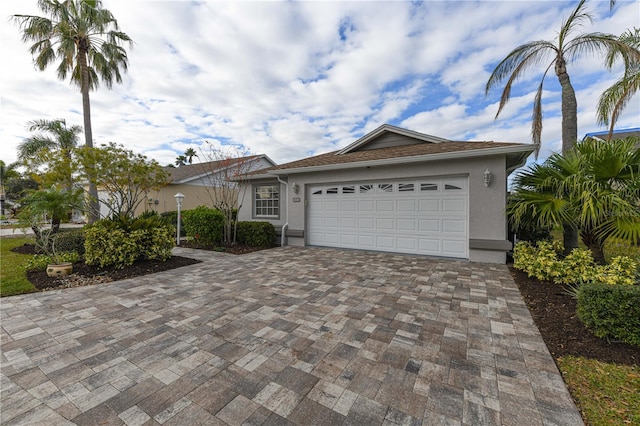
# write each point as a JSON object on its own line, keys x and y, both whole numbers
{"x": 21, "y": 232}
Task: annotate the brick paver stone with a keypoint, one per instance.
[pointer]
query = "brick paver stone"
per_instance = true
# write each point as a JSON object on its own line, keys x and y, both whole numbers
{"x": 307, "y": 336}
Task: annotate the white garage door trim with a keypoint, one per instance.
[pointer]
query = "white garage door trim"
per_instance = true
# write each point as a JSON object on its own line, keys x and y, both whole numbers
{"x": 419, "y": 216}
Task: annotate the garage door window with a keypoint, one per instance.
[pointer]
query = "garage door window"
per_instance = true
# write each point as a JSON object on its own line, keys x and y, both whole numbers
{"x": 266, "y": 201}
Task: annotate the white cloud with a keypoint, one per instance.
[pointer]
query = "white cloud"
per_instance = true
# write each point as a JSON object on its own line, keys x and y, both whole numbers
{"x": 299, "y": 78}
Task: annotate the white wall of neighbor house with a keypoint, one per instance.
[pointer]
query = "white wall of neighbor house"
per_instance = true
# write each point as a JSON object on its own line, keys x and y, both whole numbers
{"x": 486, "y": 204}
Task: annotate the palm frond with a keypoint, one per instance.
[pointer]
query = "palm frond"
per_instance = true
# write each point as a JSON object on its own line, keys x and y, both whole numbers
{"x": 577, "y": 17}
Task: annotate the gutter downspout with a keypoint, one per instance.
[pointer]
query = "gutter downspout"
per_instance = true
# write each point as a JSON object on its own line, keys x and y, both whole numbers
{"x": 286, "y": 211}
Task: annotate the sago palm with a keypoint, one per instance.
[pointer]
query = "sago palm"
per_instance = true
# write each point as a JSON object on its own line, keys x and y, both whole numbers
{"x": 84, "y": 41}
{"x": 613, "y": 101}
{"x": 51, "y": 137}
{"x": 556, "y": 54}
{"x": 595, "y": 187}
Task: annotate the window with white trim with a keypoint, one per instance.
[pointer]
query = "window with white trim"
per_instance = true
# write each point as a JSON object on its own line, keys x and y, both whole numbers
{"x": 266, "y": 200}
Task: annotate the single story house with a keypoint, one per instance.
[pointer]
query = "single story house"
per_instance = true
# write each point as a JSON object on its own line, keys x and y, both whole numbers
{"x": 200, "y": 182}
{"x": 393, "y": 190}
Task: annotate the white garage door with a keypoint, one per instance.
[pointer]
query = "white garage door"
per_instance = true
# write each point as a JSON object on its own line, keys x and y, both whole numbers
{"x": 422, "y": 216}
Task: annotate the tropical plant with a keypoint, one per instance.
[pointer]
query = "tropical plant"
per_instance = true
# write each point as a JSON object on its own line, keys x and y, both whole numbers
{"x": 181, "y": 160}
{"x": 52, "y": 144}
{"x": 85, "y": 41}
{"x": 189, "y": 154}
{"x": 126, "y": 176}
{"x": 558, "y": 54}
{"x": 48, "y": 205}
{"x": 613, "y": 101}
{"x": 595, "y": 187}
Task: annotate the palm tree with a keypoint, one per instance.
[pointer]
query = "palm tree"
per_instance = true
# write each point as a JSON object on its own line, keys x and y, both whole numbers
{"x": 617, "y": 97}
{"x": 558, "y": 54}
{"x": 53, "y": 136}
{"x": 52, "y": 203}
{"x": 594, "y": 187}
{"x": 7, "y": 173}
{"x": 83, "y": 38}
{"x": 190, "y": 153}
{"x": 181, "y": 160}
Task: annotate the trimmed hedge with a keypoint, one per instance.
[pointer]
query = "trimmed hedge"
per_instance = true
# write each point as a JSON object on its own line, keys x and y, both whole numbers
{"x": 256, "y": 234}
{"x": 68, "y": 240}
{"x": 204, "y": 226}
{"x": 122, "y": 241}
{"x": 611, "y": 310}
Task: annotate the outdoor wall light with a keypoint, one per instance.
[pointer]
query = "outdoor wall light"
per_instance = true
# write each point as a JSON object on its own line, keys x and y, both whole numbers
{"x": 295, "y": 188}
{"x": 487, "y": 177}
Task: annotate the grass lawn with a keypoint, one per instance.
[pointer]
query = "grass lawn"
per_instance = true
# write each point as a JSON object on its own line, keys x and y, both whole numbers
{"x": 13, "y": 278}
{"x": 607, "y": 394}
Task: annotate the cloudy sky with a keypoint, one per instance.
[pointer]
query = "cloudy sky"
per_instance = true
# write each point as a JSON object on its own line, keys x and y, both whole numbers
{"x": 300, "y": 78}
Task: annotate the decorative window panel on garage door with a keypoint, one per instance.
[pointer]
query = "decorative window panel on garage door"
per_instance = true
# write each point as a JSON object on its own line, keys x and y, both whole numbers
{"x": 421, "y": 216}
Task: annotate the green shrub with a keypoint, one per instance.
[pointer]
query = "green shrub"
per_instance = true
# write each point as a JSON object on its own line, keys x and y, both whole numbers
{"x": 171, "y": 219}
{"x": 147, "y": 214}
{"x": 69, "y": 240}
{"x": 256, "y": 234}
{"x": 122, "y": 241}
{"x": 39, "y": 262}
{"x": 611, "y": 311}
{"x": 540, "y": 261}
{"x": 577, "y": 267}
{"x": 622, "y": 270}
{"x": 108, "y": 245}
{"x": 204, "y": 226}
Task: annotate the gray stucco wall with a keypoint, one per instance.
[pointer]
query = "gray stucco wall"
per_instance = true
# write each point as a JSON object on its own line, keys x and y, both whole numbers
{"x": 486, "y": 204}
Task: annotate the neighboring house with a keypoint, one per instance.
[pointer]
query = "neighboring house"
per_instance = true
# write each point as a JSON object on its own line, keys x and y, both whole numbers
{"x": 394, "y": 190}
{"x": 617, "y": 134}
{"x": 195, "y": 180}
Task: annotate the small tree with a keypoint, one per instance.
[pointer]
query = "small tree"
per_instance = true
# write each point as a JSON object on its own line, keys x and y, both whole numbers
{"x": 126, "y": 176}
{"x": 224, "y": 172}
{"x": 44, "y": 205}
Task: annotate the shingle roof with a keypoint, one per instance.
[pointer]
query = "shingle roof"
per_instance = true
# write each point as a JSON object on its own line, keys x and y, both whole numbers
{"x": 419, "y": 149}
{"x": 190, "y": 171}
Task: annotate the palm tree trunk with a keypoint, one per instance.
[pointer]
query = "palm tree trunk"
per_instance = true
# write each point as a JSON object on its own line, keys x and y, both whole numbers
{"x": 596, "y": 246}
{"x": 569, "y": 113}
{"x": 569, "y": 237}
{"x": 569, "y": 137}
{"x": 94, "y": 204}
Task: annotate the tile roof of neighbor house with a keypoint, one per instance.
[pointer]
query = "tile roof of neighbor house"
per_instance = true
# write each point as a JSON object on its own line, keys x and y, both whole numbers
{"x": 190, "y": 171}
{"x": 397, "y": 152}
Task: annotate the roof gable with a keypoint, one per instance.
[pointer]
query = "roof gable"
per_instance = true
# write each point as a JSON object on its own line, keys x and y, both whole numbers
{"x": 387, "y": 136}
{"x": 190, "y": 172}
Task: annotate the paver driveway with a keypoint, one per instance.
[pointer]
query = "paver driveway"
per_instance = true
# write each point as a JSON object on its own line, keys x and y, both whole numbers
{"x": 290, "y": 335}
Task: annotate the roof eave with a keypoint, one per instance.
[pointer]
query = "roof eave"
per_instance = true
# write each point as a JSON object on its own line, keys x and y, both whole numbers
{"x": 523, "y": 149}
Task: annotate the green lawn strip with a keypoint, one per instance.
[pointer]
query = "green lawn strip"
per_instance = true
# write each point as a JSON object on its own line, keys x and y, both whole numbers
{"x": 13, "y": 277}
{"x": 607, "y": 394}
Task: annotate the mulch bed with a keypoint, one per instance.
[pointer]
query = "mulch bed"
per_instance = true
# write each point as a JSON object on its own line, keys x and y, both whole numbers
{"x": 554, "y": 312}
